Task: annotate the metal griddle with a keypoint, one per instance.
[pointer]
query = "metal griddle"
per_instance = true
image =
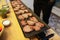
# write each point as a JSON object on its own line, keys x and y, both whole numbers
{"x": 32, "y": 33}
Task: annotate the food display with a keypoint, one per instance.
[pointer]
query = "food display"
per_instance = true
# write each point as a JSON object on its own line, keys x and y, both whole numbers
{"x": 25, "y": 15}
{"x": 29, "y": 23}
{"x": 23, "y": 22}
{"x": 34, "y": 19}
{"x": 20, "y": 17}
{"x": 27, "y": 28}
{"x": 23, "y": 8}
{"x": 36, "y": 28}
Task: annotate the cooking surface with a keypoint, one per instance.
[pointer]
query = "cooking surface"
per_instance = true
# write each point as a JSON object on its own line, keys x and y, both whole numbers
{"x": 34, "y": 32}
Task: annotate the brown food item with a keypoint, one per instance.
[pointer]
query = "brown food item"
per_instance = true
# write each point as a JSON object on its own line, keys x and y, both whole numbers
{"x": 39, "y": 24}
{"x": 30, "y": 22}
{"x": 42, "y": 25}
{"x": 14, "y": 5}
{"x": 13, "y": 2}
{"x": 31, "y": 27}
{"x": 21, "y": 5}
{"x": 23, "y": 8}
{"x": 25, "y": 15}
{"x": 29, "y": 14}
{"x": 20, "y": 17}
{"x": 36, "y": 28}
{"x": 19, "y": 2}
{"x": 18, "y": 12}
{"x": 21, "y": 11}
{"x": 27, "y": 28}
{"x": 34, "y": 19}
{"x": 16, "y": 8}
{"x": 18, "y": 5}
{"x": 26, "y": 10}
{"x": 23, "y": 22}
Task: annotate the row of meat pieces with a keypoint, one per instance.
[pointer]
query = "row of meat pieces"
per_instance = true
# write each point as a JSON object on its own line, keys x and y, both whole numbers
{"x": 31, "y": 21}
{"x": 19, "y": 10}
{"x": 17, "y": 6}
{"x": 31, "y": 25}
{"x": 14, "y": 3}
{"x": 25, "y": 13}
{"x": 24, "y": 16}
{"x": 36, "y": 27}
